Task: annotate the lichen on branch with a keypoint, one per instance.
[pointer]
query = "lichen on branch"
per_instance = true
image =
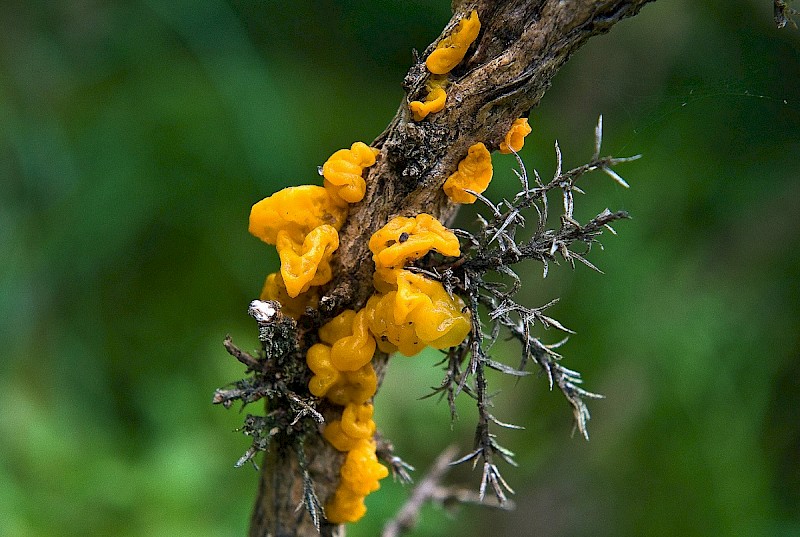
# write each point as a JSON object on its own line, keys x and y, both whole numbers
{"x": 495, "y": 249}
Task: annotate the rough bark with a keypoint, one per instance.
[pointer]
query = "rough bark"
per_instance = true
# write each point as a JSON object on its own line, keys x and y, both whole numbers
{"x": 506, "y": 72}
{"x": 278, "y": 511}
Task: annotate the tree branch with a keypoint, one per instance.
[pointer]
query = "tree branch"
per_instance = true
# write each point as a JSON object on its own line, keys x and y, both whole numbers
{"x": 430, "y": 489}
{"x": 521, "y": 46}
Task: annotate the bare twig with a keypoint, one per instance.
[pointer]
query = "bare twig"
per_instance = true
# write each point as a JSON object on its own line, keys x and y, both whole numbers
{"x": 251, "y": 363}
{"x": 305, "y": 409}
{"x": 406, "y": 518}
{"x": 430, "y": 489}
{"x": 400, "y": 468}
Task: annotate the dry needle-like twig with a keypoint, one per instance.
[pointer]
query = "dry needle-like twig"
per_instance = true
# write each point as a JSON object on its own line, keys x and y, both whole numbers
{"x": 492, "y": 302}
{"x": 430, "y": 489}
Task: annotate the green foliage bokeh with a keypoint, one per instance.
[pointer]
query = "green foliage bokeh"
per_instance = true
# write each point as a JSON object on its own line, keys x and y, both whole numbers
{"x": 135, "y": 135}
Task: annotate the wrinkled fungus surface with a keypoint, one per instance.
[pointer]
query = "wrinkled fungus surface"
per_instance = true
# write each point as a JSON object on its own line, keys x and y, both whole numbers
{"x": 405, "y": 239}
{"x": 307, "y": 264}
{"x": 409, "y": 311}
{"x": 296, "y": 210}
{"x": 419, "y": 313}
{"x": 343, "y": 172}
{"x": 452, "y": 49}
{"x": 474, "y": 173}
{"x": 343, "y": 374}
{"x": 360, "y": 475}
{"x": 434, "y": 101}
{"x": 515, "y": 137}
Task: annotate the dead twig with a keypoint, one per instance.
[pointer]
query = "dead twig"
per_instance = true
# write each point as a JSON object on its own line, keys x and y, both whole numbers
{"x": 430, "y": 489}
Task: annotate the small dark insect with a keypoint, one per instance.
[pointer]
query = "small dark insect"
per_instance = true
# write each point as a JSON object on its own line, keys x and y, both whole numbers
{"x": 403, "y": 237}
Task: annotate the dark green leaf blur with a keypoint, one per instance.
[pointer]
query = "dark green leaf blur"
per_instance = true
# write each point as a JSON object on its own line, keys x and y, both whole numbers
{"x": 136, "y": 134}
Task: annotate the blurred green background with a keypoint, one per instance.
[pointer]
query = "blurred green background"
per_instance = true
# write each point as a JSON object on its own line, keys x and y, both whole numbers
{"x": 135, "y": 135}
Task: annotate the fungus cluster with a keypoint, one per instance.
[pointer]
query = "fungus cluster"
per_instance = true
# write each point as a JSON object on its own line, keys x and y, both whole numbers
{"x": 417, "y": 314}
{"x": 407, "y": 312}
{"x": 343, "y": 374}
{"x": 303, "y": 223}
{"x": 475, "y": 170}
{"x": 447, "y": 54}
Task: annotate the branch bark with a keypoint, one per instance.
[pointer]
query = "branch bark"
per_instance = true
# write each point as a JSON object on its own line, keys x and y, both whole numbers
{"x": 521, "y": 46}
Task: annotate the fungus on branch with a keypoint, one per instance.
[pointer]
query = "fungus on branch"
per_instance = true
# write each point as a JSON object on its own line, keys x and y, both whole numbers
{"x": 451, "y": 50}
{"x": 521, "y": 46}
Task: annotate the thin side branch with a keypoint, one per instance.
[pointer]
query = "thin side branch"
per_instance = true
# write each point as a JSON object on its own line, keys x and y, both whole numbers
{"x": 430, "y": 489}
{"x": 495, "y": 249}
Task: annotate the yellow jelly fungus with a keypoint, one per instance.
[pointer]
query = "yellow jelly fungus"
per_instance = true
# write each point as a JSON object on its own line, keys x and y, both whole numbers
{"x": 275, "y": 289}
{"x": 434, "y": 101}
{"x": 296, "y": 210}
{"x": 307, "y": 264}
{"x": 346, "y": 506}
{"x": 347, "y": 333}
{"x": 515, "y": 137}
{"x": 436, "y": 315}
{"x": 337, "y": 328}
{"x": 357, "y": 421}
{"x": 360, "y": 473}
{"x": 356, "y": 387}
{"x": 336, "y": 437}
{"x": 303, "y": 223}
{"x": 405, "y": 239}
{"x": 343, "y": 172}
{"x": 410, "y": 311}
{"x": 420, "y": 313}
{"x": 384, "y": 280}
{"x": 474, "y": 173}
{"x": 354, "y": 351}
{"x": 407, "y": 313}
{"x": 389, "y": 335}
{"x": 361, "y": 470}
{"x": 318, "y": 358}
{"x": 352, "y": 346}
{"x": 452, "y": 49}
{"x": 340, "y": 387}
